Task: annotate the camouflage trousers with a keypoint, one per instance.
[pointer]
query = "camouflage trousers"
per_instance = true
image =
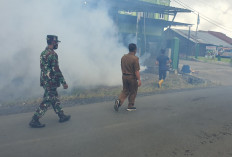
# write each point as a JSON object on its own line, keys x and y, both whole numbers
{"x": 50, "y": 98}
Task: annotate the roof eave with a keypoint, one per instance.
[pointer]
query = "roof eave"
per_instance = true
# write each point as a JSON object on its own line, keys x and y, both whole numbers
{"x": 139, "y": 6}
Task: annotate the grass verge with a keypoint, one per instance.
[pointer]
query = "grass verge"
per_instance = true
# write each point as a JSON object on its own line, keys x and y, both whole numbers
{"x": 97, "y": 94}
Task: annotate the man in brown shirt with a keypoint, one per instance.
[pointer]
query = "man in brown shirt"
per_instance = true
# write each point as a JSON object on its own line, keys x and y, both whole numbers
{"x": 130, "y": 78}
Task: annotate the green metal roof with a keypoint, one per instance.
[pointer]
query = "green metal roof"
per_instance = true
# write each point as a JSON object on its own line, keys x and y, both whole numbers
{"x": 139, "y": 6}
{"x": 151, "y": 21}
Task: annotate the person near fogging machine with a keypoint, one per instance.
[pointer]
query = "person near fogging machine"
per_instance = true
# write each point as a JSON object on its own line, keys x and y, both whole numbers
{"x": 163, "y": 62}
{"x": 130, "y": 77}
{"x": 50, "y": 79}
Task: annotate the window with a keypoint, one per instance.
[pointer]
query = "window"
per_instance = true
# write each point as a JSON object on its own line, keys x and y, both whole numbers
{"x": 161, "y": 16}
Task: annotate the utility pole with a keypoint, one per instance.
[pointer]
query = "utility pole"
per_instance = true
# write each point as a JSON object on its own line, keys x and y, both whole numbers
{"x": 139, "y": 14}
{"x": 198, "y": 22}
{"x": 189, "y": 35}
{"x": 197, "y": 45}
{"x": 145, "y": 37}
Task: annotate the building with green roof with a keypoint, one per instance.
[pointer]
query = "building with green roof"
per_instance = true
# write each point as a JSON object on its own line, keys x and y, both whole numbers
{"x": 144, "y": 22}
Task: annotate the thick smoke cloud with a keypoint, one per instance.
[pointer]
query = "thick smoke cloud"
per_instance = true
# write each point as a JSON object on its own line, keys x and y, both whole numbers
{"x": 89, "y": 52}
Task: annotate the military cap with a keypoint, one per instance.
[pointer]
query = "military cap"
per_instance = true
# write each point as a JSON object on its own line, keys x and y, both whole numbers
{"x": 52, "y": 38}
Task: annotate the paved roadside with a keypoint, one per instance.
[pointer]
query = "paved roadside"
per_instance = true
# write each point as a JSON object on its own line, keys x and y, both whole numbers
{"x": 219, "y": 74}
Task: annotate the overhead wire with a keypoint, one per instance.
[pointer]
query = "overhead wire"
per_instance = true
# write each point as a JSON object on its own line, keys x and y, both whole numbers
{"x": 210, "y": 4}
{"x": 202, "y": 16}
{"x": 196, "y": 12}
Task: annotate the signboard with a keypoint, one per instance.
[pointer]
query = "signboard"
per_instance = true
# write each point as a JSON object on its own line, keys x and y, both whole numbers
{"x": 211, "y": 50}
{"x": 224, "y": 52}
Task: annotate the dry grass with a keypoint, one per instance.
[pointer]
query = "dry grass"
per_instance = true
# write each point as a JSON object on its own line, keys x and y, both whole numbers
{"x": 149, "y": 85}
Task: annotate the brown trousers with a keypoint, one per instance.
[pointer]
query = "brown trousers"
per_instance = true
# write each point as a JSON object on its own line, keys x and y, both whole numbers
{"x": 130, "y": 88}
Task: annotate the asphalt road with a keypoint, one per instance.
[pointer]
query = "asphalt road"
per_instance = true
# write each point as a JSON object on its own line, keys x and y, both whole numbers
{"x": 194, "y": 123}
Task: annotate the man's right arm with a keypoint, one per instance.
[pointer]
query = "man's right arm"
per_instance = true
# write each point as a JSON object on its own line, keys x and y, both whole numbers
{"x": 138, "y": 78}
{"x": 169, "y": 60}
{"x": 137, "y": 74}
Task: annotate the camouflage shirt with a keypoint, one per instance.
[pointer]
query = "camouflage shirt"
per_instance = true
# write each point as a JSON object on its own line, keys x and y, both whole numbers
{"x": 50, "y": 76}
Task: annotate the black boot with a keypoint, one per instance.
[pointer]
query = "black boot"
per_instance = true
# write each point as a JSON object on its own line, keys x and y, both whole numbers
{"x": 63, "y": 117}
{"x": 35, "y": 123}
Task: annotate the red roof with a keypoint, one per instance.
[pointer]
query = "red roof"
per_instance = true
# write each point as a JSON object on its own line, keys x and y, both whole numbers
{"x": 221, "y": 36}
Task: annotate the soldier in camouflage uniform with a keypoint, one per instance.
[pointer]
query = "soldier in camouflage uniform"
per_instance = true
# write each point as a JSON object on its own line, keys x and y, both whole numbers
{"x": 50, "y": 79}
